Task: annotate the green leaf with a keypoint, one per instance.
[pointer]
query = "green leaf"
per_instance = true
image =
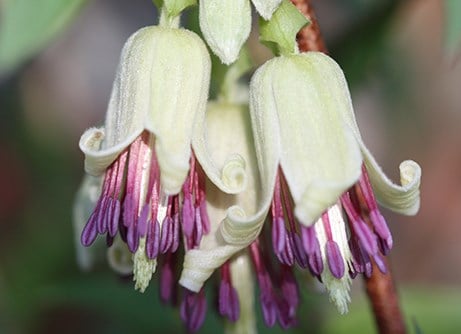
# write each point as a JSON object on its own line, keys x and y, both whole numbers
{"x": 279, "y": 33}
{"x": 452, "y": 24}
{"x": 175, "y": 7}
{"x": 26, "y": 26}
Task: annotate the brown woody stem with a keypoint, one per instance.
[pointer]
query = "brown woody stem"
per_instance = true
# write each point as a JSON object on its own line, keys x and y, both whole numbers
{"x": 380, "y": 288}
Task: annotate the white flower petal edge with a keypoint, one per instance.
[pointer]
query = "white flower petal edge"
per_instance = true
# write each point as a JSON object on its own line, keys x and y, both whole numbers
{"x": 266, "y": 8}
{"x": 296, "y": 111}
{"x": 161, "y": 85}
{"x": 226, "y": 25}
{"x": 228, "y": 132}
{"x": 404, "y": 198}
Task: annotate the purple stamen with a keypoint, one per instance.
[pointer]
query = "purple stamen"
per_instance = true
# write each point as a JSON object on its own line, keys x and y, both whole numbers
{"x": 167, "y": 280}
{"x": 361, "y": 230}
{"x": 300, "y": 254}
{"x": 166, "y": 239}
{"x": 334, "y": 259}
{"x": 89, "y": 232}
{"x": 228, "y": 299}
{"x": 193, "y": 309}
{"x": 152, "y": 239}
{"x": 290, "y": 290}
{"x": 278, "y": 234}
{"x": 312, "y": 248}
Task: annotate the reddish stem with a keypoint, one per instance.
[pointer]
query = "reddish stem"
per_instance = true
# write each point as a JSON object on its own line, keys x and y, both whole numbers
{"x": 380, "y": 288}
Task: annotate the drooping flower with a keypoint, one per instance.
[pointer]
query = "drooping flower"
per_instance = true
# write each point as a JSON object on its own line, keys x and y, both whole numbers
{"x": 144, "y": 150}
{"x": 226, "y": 24}
{"x": 318, "y": 186}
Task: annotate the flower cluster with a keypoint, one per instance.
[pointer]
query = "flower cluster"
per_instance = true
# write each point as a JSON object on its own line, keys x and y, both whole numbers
{"x": 223, "y": 186}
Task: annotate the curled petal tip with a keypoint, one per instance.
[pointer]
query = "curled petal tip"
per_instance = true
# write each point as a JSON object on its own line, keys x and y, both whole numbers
{"x": 234, "y": 175}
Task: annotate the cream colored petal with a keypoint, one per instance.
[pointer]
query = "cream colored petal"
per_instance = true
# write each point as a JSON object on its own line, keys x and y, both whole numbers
{"x": 97, "y": 159}
{"x": 161, "y": 85}
{"x": 320, "y": 157}
{"x": 225, "y": 24}
{"x": 404, "y": 198}
{"x": 225, "y": 168}
{"x": 236, "y": 220}
{"x": 178, "y": 92}
{"x": 266, "y": 8}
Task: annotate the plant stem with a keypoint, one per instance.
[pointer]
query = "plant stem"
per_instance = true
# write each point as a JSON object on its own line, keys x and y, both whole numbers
{"x": 380, "y": 288}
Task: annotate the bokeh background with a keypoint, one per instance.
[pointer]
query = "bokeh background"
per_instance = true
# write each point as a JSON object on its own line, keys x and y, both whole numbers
{"x": 57, "y": 63}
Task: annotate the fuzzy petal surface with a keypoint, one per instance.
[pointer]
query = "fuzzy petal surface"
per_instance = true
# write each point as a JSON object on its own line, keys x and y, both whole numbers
{"x": 161, "y": 85}
{"x": 266, "y": 8}
{"x": 226, "y": 25}
{"x": 297, "y": 114}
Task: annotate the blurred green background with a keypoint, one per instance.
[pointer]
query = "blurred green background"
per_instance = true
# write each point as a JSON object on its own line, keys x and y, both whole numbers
{"x": 57, "y": 63}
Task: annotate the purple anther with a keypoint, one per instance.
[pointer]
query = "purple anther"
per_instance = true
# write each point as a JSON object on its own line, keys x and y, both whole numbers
{"x": 278, "y": 234}
{"x": 380, "y": 263}
{"x": 102, "y": 216}
{"x": 166, "y": 239}
{"x": 310, "y": 241}
{"x": 143, "y": 220}
{"x": 115, "y": 217}
{"x": 153, "y": 239}
{"x": 193, "y": 309}
{"x": 267, "y": 299}
{"x": 299, "y": 252}
{"x": 289, "y": 290}
{"x": 285, "y": 318}
{"x": 228, "y": 301}
{"x": 188, "y": 216}
{"x": 89, "y": 232}
{"x": 132, "y": 239}
{"x": 175, "y": 244}
{"x": 312, "y": 248}
{"x": 382, "y": 230}
{"x": 167, "y": 282}
{"x": 286, "y": 256}
{"x": 335, "y": 259}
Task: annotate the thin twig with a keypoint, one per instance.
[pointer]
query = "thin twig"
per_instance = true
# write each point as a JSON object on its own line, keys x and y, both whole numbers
{"x": 380, "y": 288}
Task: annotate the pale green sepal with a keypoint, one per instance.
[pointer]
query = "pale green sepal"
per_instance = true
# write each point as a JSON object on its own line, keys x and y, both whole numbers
{"x": 295, "y": 105}
{"x": 161, "y": 86}
{"x": 228, "y": 132}
{"x": 243, "y": 281}
{"x": 279, "y": 33}
{"x": 175, "y": 7}
{"x": 266, "y": 8}
{"x": 84, "y": 204}
{"x": 225, "y": 24}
